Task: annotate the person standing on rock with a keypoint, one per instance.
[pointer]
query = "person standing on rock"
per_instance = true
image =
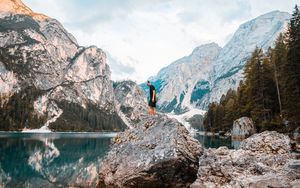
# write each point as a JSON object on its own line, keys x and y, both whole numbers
{"x": 152, "y": 99}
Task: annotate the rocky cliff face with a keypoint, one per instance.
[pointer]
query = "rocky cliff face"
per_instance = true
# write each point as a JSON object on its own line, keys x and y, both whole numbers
{"x": 178, "y": 82}
{"x": 210, "y": 71}
{"x": 47, "y": 79}
{"x": 228, "y": 69}
{"x": 159, "y": 152}
{"x": 263, "y": 160}
{"x": 131, "y": 101}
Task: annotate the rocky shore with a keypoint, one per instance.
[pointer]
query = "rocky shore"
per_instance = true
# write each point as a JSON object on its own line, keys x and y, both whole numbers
{"x": 263, "y": 160}
{"x": 161, "y": 153}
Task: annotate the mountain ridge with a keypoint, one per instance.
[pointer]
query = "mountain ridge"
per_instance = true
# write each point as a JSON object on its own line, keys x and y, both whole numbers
{"x": 49, "y": 82}
{"x": 18, "y": 7}
{"x": 227, "y": 69}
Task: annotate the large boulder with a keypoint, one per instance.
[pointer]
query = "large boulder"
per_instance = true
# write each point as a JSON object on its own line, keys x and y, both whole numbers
{"x": 263, "y": 160}
{"x": 242, "y": 128}
{"x": 160, "y": 152}
{"x": 267, "y": 142}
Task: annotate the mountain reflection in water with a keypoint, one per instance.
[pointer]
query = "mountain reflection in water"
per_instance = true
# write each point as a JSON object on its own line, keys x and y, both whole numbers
{"x": 51, "y": 160}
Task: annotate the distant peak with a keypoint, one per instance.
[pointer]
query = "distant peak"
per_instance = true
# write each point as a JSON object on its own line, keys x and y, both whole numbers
{"x": 208, "y": 45}
{"x": 205, "y": 47}
{"x": 18, "y": 7}
{"x": 275, "y": 13}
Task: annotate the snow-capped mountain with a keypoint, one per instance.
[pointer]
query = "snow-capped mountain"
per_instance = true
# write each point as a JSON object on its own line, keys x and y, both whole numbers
{"x": 47, "y": 79}
{"x": 206, "y": 74}
{"x": 176, "y": 83}
{"x": 228, "y": 69}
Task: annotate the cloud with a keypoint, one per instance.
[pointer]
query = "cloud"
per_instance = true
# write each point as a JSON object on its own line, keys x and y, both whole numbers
{"x": 119, "y": 70}
{"x": 143, "y": 36}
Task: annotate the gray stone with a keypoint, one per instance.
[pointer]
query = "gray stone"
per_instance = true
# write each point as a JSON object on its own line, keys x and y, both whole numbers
{"x": 162, "y": 155}
{"x": 267, "y": 142}
{"x": 263, "y": 160}
{"x": 242, "y": 128}
{"x": 131, "y": 101}
{"x": 294, "y": 164}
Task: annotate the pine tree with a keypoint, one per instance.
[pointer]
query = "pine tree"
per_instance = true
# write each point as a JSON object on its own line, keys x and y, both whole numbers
{"x": 270, "y": 98}
{"x": 219, "y": 115}
{"x": 241, "y": 103}
{"x": 291, "y": 72}
{"x": 270, "y": 91}
{"x": 254, "y": 85}
{"x": 278, "y": 59}
{"x": 209, "y": 120}
{"x": 259, "y": 90}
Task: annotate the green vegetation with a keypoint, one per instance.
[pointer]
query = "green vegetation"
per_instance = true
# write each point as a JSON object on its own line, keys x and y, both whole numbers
{"x": 18, "y": 111}
{"x": 270, "y": 93}
{"x": 91, "y": 118}
{"x": 196, "y": 122}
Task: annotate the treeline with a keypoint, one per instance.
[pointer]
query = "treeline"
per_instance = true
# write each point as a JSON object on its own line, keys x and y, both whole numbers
{"x": 270, "y": 92}
{"x": 17, "y": 112}
{"x": 91, "y": 118}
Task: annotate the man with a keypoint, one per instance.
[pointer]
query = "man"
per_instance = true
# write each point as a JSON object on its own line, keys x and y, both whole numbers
{"x": 152, "y": 99}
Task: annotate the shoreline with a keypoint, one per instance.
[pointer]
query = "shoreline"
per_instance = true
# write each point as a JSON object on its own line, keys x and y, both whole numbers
{"x": 21, "y": 132}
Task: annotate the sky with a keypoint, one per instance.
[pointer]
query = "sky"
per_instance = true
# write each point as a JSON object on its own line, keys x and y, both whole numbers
{"x": 142, "y": 36}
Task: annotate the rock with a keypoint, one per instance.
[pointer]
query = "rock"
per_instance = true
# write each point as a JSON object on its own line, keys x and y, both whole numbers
{"x": 294, "y": 164}
{"x": 296, "y": 135}
{"x": 263, "y": 160}
{"x": 131, "y": 101}
{"x": 162, "y": 155}
{"x": 267, "y": 142}
{"x": 242, "y": 128}
{"x": 265, "y": 181}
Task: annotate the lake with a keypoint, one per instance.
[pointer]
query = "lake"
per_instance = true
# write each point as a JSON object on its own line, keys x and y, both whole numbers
{"x": 60, "y": 159}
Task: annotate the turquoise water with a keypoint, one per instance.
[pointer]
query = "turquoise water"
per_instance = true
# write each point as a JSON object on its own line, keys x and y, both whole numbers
{"x": 51, "y": 160}
{"x": 217, "y": 141}
{"x": 60, "y": 159}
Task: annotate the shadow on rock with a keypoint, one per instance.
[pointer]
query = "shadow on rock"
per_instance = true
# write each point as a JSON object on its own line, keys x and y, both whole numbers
{"x": 160, "y": 152}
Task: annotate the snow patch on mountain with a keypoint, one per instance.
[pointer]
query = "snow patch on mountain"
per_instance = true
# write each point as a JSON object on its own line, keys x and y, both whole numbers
{"x": 176, "y": 82}
{"x": 183, "y": 118}
{"x": 228, "y": 68}
{"x": 210, "y": 71}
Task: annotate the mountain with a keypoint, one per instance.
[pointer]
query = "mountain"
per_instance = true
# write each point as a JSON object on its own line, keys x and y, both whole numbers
{"x": 176, "y": 82}
{"x": 48, "y": 80}
{"x": 228, "y": 69}
{"x": 207, "y": 74}
{"x": 131, "y": 101}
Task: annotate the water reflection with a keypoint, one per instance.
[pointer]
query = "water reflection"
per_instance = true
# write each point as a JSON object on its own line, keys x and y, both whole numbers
{"x": 51, "y": 160}
{"x": 61, "y": 159}
{"x": 217, "y": 141}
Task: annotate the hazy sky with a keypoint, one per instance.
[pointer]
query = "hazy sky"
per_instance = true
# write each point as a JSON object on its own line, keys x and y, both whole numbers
{"x": 142, "y": 36}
